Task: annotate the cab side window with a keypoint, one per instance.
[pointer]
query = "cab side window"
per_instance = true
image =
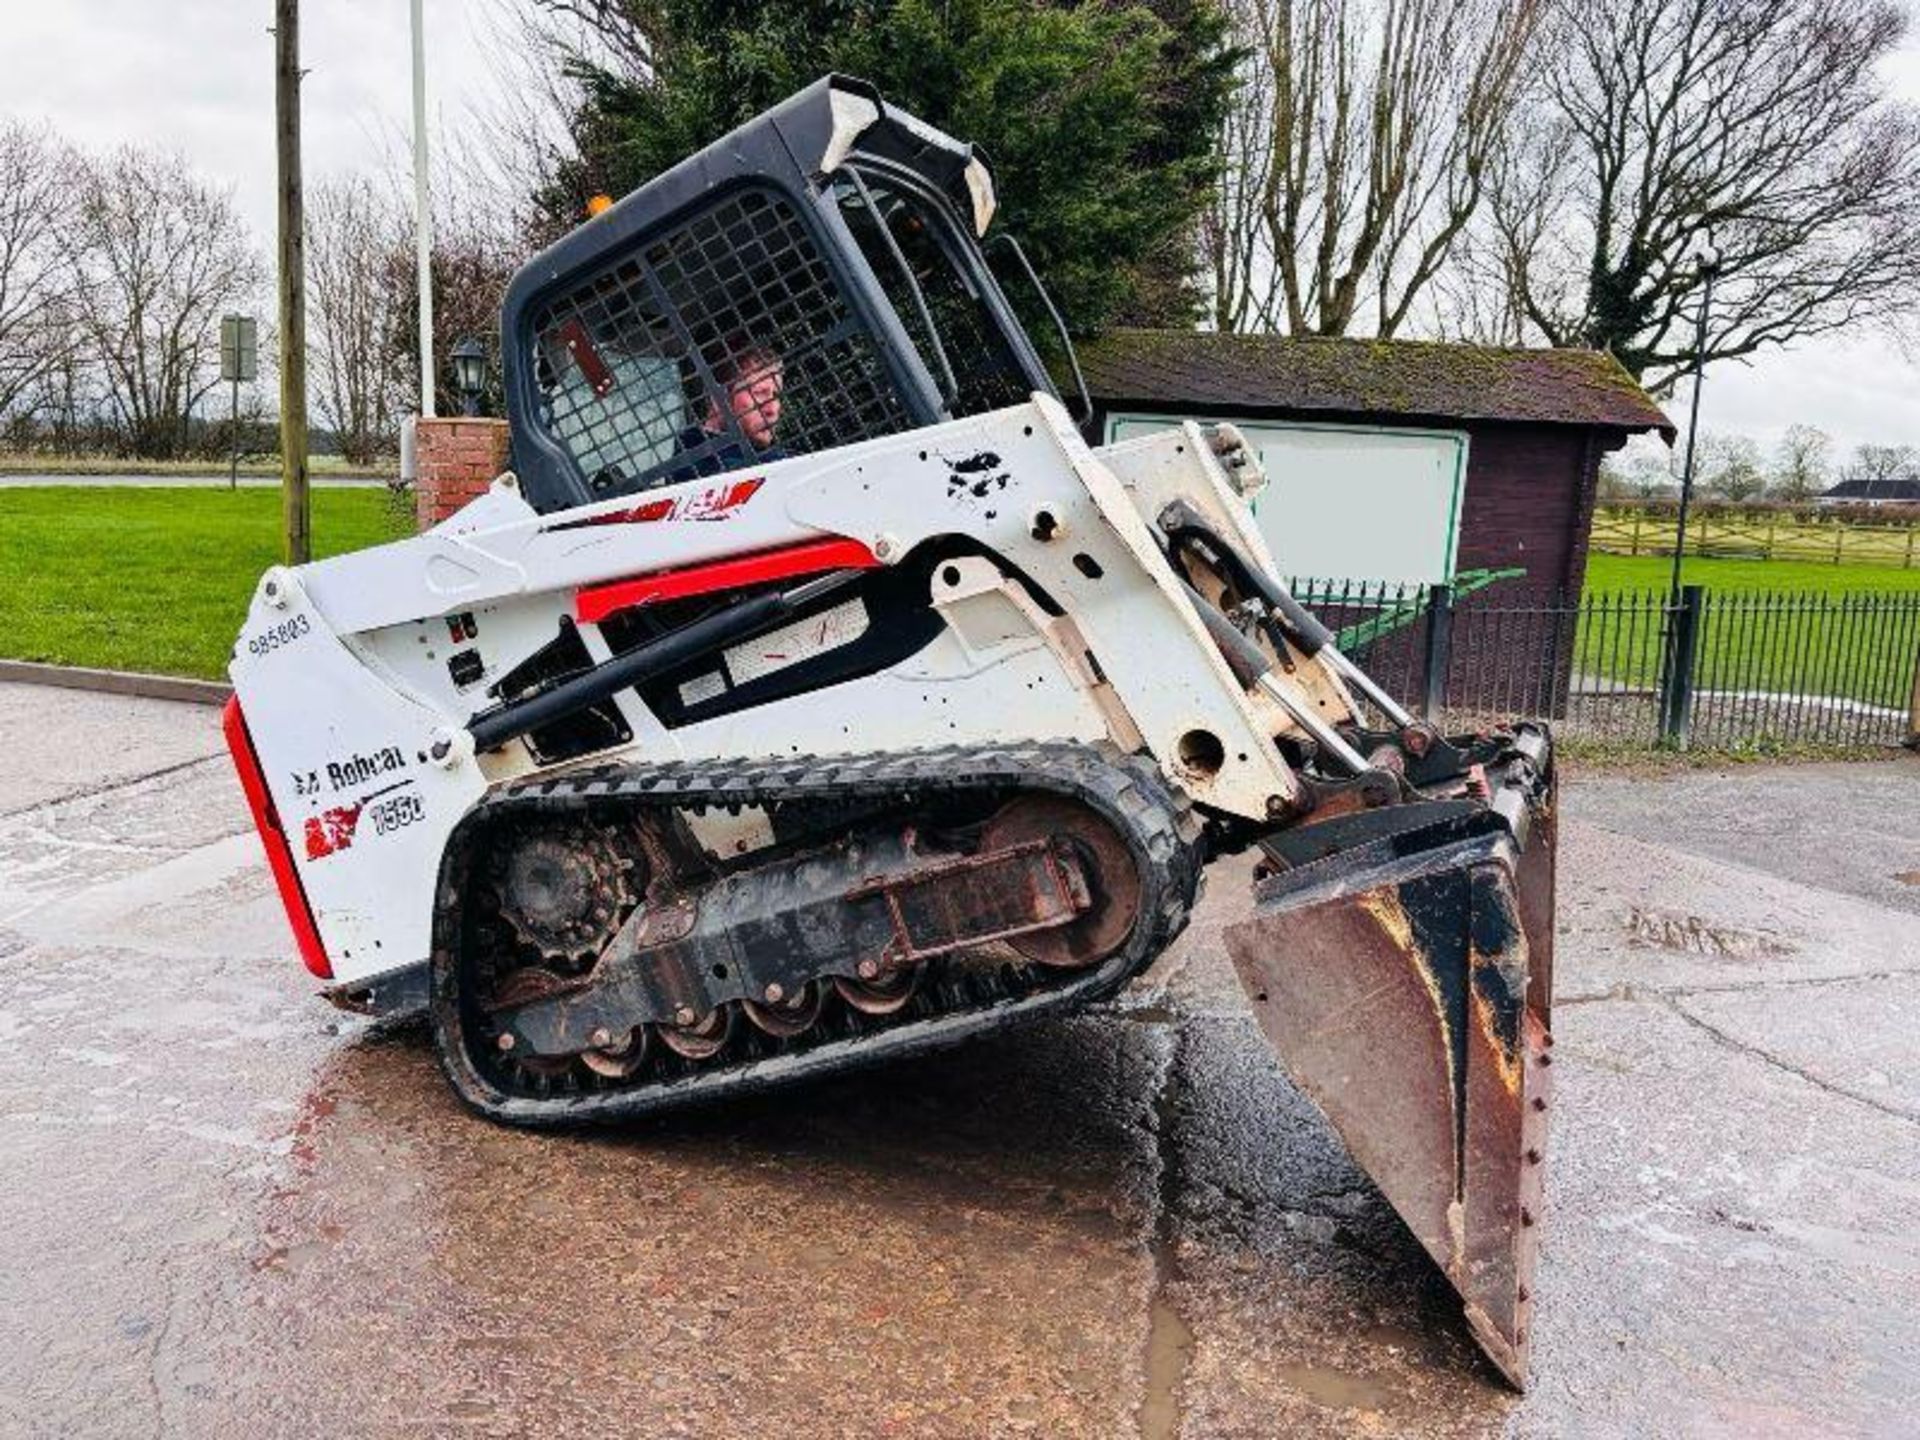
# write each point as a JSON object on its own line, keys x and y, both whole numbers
{"x": 964, "y": 335}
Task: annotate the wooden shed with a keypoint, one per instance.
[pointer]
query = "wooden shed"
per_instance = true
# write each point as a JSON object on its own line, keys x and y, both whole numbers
{"x": 1398, "y": 461}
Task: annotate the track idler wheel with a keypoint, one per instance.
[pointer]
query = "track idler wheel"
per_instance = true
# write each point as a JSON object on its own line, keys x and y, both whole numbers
{"x": 883, "y": 994}
{"x": 1113, "y": 884}
{"x": 793, "y": 1015}
{"x": 700, "y": 1037}
{"x": 516, "y": 988}
{"x": 621, "y": 1060}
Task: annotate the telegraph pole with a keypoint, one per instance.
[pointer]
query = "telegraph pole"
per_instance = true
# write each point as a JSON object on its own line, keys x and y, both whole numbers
{"x": 293, "y": 285}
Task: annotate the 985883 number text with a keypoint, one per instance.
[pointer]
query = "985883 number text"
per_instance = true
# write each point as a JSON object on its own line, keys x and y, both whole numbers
{"x": 274, "y": 636}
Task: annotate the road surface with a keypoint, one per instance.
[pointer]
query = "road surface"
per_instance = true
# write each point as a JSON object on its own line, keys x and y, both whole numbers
{"x": 232, "y": 1211}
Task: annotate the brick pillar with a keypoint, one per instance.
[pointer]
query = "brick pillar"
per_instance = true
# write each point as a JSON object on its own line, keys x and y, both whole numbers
{"x": 457, "y": 459}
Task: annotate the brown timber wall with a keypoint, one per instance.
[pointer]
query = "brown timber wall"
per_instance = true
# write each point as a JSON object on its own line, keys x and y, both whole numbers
{"x": 1529, "y": 502}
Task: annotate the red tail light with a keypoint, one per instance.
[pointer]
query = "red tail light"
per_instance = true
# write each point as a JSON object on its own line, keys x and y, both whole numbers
{"x": 293, "y": 894}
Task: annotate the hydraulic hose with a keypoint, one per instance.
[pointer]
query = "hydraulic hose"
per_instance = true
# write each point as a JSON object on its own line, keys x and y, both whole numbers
{"x": 1253, "y": 669}
{"x": 496, "y": 727}
{"x": 1182, "y": 524}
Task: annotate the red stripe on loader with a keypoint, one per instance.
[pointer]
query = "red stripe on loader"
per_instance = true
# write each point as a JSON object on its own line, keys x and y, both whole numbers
{"x": 594, "y": 605}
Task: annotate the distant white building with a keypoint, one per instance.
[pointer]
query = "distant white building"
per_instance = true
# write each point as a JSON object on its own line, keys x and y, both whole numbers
{"x": 1874, "y": 492}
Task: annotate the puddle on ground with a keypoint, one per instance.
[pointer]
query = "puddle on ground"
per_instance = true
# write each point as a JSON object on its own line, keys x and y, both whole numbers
{"x": 1169, "y": 1344}
{"x": 1691, "y": 935}
{"x": 1336, "y": 1389}
{"x": 1399, "y": 1339}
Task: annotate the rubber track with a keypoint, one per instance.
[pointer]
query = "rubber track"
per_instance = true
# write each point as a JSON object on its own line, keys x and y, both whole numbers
{"x": 1127, "y": 791}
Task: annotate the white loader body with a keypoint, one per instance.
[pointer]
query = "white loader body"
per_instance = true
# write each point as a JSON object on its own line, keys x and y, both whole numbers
{"x": 357, "y": 707}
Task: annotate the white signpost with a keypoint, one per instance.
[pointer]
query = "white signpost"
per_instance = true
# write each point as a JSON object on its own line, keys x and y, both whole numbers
{"x": 239, "y": 360}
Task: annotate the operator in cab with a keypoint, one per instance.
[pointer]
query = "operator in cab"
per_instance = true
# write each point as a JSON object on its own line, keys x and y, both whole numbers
{"x": 750, "y": 377}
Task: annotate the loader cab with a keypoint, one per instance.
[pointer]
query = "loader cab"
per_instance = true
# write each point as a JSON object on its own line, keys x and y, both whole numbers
{"x": 826, "y": 251}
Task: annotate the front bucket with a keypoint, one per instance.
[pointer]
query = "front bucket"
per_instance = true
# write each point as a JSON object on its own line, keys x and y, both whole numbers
{"x": 1405, "y": 984}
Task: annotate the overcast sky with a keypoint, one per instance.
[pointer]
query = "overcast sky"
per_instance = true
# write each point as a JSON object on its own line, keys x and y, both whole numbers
{"x": 197, "y": 75}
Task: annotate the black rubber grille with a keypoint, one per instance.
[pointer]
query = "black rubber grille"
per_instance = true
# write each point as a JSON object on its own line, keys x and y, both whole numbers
{"x": 628, "y": 360}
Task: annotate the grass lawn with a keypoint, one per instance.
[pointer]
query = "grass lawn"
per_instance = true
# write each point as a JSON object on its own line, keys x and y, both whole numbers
{"x": 158, "y": 580}
{"x": 1610, "y": 573}
{"x": 1772, "y": 625}
{"x": 154, "y": 580}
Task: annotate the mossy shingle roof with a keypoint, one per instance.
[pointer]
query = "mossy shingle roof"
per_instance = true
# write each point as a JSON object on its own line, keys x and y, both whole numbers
{"x": 1200, "y": 370}
{"x": 1906, "y": 492}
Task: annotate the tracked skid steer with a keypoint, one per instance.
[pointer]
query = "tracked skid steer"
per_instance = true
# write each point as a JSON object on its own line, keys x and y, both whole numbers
{"x": 809, "y": 692}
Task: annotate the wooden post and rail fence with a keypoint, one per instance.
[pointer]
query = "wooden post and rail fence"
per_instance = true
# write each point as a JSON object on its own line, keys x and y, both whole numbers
{"x": 1820, "y": 537}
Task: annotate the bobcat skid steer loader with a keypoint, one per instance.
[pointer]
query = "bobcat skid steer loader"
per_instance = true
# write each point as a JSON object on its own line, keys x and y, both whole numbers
{"x": 809, "y": 693}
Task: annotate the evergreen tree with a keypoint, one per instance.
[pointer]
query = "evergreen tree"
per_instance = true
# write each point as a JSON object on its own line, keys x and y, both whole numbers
{"x": 1099, "y": 119}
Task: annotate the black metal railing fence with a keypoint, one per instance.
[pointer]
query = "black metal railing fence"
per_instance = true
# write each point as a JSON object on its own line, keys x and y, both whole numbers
{"x": 1714, "y": 668}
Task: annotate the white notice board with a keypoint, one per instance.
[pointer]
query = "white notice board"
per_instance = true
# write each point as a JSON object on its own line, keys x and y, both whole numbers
{"x": 1350, "y": 502}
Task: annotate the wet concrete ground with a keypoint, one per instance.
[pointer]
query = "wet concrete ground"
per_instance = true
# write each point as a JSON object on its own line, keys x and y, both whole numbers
{"x": 231, "y": 1211}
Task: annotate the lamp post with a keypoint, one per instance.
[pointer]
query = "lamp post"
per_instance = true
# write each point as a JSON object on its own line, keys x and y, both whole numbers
{"x": 422, "y": 209}
{"x": 469, "y": 358}
{"x": 1708, "y": 261}
{"x": 1683, "y": 614}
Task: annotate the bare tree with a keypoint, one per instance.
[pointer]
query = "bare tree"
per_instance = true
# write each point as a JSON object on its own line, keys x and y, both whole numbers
{"x": 1876, "y": 463}
{"x": 63, "y": 412}
{"x": 157, "y": 256}
{"x": 1730, "y": 467}
{"x": 1643, "y": 470}
{"x": 1759, "y": 125}
{"x": 33, "y": 282}
{"x": 622, "y": 35}
{"x": 1356, "y": 152}
{"x": 485, "y": 221}
{"x": 1802, "y": 463}
{"x": 474, "y": 257}
{"x": 354, "y": 229}
{"x": 542, "y": 52}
